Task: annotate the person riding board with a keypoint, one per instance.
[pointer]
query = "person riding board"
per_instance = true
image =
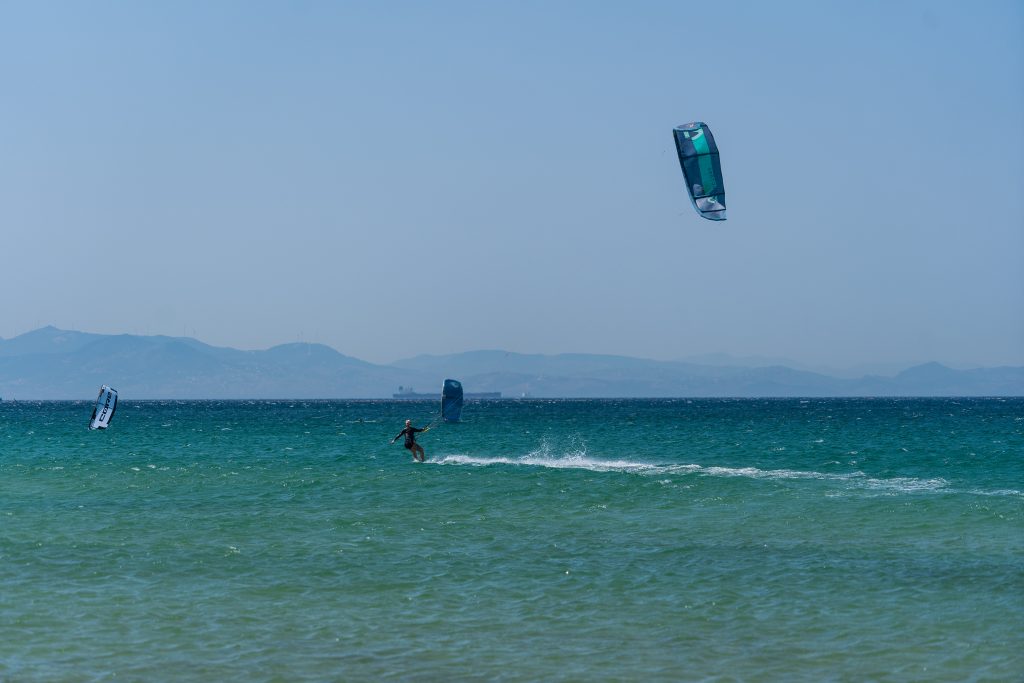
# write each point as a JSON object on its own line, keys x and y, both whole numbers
{"x": 410, "y": 441}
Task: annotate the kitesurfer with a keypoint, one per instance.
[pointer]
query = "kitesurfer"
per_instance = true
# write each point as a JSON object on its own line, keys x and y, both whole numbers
{"x": 410, "y": 440}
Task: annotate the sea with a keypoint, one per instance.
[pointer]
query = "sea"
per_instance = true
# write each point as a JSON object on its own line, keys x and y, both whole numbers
{"x": 542, "y": 540}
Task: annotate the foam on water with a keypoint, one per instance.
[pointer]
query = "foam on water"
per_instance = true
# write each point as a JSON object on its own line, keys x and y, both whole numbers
{"x": 571, "y": 461}
{"x": 577, "y": 459}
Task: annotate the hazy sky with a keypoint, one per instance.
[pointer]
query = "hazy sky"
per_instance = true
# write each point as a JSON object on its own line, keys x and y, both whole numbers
{"x": 396, "y": 178}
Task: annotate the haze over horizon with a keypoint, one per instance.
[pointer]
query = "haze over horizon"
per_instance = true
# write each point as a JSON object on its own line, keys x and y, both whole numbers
{"x": 53, "y": 364}
{"x": 45, "y": 336}
{"x": 398, "y": 179}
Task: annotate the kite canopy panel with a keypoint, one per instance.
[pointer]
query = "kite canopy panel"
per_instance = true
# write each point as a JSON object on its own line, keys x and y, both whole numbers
{"x": 106, "y": 404}
{"x": 451, "y": 400}
{"x": 698, "y": 155}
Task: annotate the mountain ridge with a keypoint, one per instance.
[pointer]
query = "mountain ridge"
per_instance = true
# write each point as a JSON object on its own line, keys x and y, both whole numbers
{"x": 50, "y": 363}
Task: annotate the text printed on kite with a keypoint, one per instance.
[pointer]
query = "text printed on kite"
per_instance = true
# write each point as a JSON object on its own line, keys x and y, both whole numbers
{"x": 103, "y": 412}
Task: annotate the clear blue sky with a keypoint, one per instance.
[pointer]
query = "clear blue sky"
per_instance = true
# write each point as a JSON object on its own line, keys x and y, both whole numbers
{"x": 397, "y": 178}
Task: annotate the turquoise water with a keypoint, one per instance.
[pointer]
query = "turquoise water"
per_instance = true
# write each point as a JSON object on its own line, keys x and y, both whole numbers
{"x": 703, "y": 540}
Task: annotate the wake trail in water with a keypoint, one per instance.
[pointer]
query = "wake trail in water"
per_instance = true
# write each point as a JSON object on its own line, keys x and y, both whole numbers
{"x": 579, "y": 460}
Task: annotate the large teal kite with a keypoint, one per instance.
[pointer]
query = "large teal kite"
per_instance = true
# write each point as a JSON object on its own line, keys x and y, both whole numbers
{"x": 698, "y": 155}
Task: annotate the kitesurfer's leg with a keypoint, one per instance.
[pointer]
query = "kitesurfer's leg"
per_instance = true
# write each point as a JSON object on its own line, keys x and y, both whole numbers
{"x": 418, "y": 452}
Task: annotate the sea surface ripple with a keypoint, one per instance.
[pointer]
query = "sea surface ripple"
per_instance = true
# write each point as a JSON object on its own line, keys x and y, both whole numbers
{"x": 662, "y": 540}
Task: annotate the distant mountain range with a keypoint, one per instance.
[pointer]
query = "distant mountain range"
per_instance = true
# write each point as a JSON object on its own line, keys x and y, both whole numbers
{"x": 50, "y": 363}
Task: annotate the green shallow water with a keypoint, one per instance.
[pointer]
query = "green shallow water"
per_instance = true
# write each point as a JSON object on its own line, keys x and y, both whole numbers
{"x": 543, "y": 540}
